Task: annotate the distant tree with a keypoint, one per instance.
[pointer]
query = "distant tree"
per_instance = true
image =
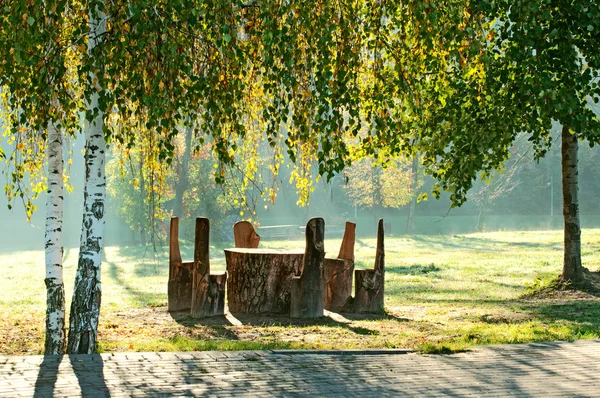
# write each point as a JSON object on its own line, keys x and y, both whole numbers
{"x": 370, "y": 185}
{"x": 501, "y": 183}
{"x": 532, "y": 64}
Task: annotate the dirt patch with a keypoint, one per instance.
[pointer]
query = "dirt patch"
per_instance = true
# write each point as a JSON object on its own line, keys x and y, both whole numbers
{"x": 557, "y": 289}
{"x": 508, "y": 317}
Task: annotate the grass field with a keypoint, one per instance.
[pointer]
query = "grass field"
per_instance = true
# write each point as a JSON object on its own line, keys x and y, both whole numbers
{"x": 443, "y": 293}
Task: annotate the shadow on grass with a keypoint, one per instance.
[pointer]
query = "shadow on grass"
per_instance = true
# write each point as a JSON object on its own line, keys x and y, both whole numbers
{"x": 471, "y": 243}
{"x": 414, "y": 269}
{"x": 220, "y": 324}
{"x": 140, "y": 298}
{"x": 586, "y": 314}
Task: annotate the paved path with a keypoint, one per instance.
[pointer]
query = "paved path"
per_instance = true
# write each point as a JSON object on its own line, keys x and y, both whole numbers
{"x": 544, "y": 369}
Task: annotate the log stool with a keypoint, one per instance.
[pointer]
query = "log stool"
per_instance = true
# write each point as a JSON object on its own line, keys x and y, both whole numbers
{"x": 208, "y": 290}
{"x": 308, "y": 289}
{"x": 369, "y": 283}
{"x": 245, "y": 236}
{"x": 338, "y": 274}
{"x": 180, "y": 273}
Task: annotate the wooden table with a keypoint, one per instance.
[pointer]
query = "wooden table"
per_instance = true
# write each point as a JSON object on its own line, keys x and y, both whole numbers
{"x": 259, "y": 280}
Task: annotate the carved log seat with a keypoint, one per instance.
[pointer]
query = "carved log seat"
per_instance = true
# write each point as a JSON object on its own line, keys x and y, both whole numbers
{"x": 180, "y": 273}
{"x": 191, "y": 286}
{"x": 208, "y": 290}
{"x": 308, "y": 289}
{"x": 338, "y": 273}
{"x": 369, "y": 283}
{"x": 245, "y": 236}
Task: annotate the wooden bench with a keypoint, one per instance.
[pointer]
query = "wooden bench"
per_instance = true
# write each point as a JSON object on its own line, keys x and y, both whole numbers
{"x": 191, "y": 284}
{"x": 308, "y": 289}
{"x": 245, "y": 236}
{"x": 338, "y": 273}
{"x": 369, "y": 283}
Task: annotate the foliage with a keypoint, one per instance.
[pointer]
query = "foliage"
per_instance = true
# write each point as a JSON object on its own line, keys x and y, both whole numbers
{"x": 371, "y": 185}
{"x": 38, "y": 86}
{"x": 537, "y": 64}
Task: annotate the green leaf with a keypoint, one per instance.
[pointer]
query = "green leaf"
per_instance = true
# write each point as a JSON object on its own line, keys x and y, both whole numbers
{"x": 30, "y": 21}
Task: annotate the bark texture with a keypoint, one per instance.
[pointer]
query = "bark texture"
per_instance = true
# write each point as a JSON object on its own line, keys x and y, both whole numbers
{"x": 55, "y": 290}
{"x": 338, "y": 273}
{"x": 369, "y": 283}
{"x": 308, "y": 289}
{"x": 85, "y": 306}
{"x": 572, "y": 269}
{"x": 208, "y": 291}
{"x": 260, "y": 279}
{"x": 180, "y": 273}
{"x": 245, "y": 236}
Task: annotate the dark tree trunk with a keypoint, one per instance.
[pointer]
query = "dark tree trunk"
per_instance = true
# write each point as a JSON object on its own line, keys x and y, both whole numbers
{"x": 413, "y": 203}
{"x": 572, "y": 269}
{"x": 308, "y": 290}
{"x": 260, "y": 279}
{"x": 183, "y": 180}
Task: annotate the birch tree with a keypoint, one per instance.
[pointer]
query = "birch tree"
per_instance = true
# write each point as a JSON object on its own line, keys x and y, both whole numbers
{"x": 40, "y": 103}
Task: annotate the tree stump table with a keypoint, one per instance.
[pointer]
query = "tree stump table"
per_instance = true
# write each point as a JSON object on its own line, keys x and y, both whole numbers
{"x": 259, "y": 280}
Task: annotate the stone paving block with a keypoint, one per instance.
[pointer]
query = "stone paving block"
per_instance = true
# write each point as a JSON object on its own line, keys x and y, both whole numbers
{"x": 547, "y": 369}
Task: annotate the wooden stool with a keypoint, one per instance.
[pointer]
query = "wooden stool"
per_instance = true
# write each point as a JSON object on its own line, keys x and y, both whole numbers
{"x": 369, "y": 283}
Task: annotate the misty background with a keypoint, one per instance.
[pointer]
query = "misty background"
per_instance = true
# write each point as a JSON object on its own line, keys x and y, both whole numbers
{"x": 526, "y": 196}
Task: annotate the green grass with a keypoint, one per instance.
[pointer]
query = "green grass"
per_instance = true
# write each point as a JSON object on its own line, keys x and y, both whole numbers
{"x": 443, "y": 294}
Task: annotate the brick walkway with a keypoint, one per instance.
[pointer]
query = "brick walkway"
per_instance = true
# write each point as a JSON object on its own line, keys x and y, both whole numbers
{"x": 543, "y": 369}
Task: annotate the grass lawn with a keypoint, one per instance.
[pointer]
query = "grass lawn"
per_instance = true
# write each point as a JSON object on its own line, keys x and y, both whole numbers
{"x": 443, "y": 293}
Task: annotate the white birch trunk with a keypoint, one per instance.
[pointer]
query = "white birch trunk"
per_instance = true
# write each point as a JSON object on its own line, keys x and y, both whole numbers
{"x": 85, "y": 307}
{"x": 55, "y": 288}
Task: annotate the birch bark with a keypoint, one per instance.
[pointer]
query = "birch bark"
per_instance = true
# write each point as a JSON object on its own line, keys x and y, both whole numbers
{"x": 85, "y": 306}
{"x": 55, "y": 288}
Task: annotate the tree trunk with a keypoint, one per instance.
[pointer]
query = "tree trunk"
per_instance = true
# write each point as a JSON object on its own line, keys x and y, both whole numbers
{"x": 308, "y": 289}
{"x": 482, "y": 210}
{"x": 259, "y": 280}
{"x": 183, "y": 181}
{"x": 413, "y": 203}
{"x": 55, "y": 288}
{"x": 572, "y": 269}
{"x": 85, "y": 306}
